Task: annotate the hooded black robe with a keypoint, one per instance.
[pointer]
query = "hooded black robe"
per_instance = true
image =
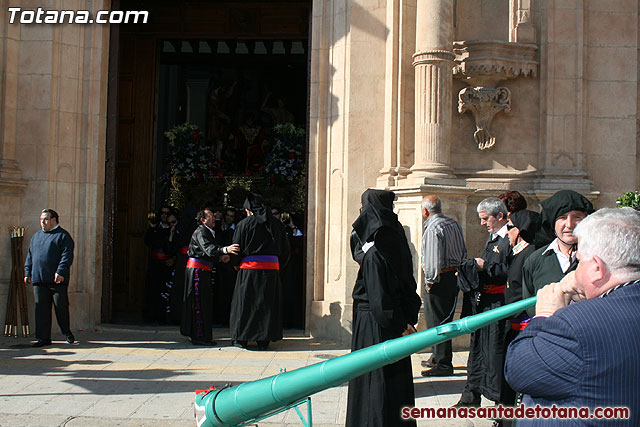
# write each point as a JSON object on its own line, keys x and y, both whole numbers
{"x": 256, "y": 307}
{"x": 385, "y": 302}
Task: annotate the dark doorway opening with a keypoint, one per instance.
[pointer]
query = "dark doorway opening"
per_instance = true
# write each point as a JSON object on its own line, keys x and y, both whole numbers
{"x": 229, "y": 68}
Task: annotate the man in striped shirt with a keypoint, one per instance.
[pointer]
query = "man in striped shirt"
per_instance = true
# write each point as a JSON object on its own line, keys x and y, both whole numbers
{"x": 442, "y": 250}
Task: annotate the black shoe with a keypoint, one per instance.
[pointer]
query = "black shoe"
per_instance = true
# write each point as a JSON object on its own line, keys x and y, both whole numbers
{"x": 437, "y": 372}
{"x": 473, "y": 404}
{"x": 240, "y": 344}
{"x": 263, "y": 345}
{"x": 203, "y": 343}
{"x": 70, "y": 338}
{"x": 41, "y": 343}
{"x": 428, "y": 363}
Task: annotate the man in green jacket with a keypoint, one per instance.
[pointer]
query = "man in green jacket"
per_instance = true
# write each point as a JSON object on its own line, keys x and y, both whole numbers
{"x": 556, "y": 257}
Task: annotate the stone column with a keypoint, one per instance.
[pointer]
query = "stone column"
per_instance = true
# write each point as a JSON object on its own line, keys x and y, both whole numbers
{"x": 433, "y": 62}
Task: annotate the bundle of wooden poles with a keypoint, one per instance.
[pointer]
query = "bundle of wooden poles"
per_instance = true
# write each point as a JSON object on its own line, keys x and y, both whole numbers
{"x": 17, "y": 290}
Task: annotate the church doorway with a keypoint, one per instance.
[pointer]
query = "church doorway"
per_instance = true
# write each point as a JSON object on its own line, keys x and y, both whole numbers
{"x": 211, "y": 103}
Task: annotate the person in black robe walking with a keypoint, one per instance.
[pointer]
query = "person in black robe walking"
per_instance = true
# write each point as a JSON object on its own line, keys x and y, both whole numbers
{"x": 204, "y": 253}
{"x": 257, "y": 298}
{"x": 385, "y": 306}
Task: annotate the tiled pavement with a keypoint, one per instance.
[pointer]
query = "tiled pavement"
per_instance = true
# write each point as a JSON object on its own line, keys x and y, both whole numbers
{"x": 144, "y": 376}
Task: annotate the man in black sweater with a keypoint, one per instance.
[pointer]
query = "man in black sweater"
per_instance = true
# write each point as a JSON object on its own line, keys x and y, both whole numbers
{"x": 47, "y": 267}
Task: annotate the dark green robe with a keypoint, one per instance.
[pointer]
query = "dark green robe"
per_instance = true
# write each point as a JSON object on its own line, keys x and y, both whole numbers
{"x": 539, "y": 270}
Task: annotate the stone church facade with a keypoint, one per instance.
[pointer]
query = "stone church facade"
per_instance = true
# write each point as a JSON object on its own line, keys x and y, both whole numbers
{"x": 459, "y": 98}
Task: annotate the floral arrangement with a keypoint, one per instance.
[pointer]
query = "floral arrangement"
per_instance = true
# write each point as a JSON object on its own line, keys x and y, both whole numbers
{"x": 190, "y": 156}
{"x": 195, "y": 175}
{"x": 285, "y": 162}
{"x": 630, "y": 198}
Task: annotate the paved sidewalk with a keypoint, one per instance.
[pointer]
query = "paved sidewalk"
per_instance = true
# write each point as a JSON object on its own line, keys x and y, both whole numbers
{"x": 146, "y": 376}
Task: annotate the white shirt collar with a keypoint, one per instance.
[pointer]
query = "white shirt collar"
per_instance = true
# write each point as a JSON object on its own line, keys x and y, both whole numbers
{"x": 563, "y": 260}
{"x": 502, "y": 232}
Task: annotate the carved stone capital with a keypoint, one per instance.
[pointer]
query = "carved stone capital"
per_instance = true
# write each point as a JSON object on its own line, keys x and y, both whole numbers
{"x": 487, "y": 62}
{"x": 484, "y": 103}
{"x": 434, "y": 56}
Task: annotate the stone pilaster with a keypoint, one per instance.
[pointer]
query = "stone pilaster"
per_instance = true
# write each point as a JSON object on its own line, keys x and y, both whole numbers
{"x": 12, "y": 184}
{"x": 399, "y": 92}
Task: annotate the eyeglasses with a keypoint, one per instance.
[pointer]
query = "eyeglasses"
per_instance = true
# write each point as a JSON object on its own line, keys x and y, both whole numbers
{"x": 510, "y": 227}
{"x": 173, "y": 222}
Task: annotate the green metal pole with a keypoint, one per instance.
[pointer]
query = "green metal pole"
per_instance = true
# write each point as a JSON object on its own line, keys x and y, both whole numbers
{"x": 236, "y": 405}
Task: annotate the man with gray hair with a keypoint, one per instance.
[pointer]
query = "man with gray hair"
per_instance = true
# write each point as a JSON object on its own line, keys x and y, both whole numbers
{"x": 487, "y": 276}
{"x": 585, "y": 354}
{"x": 442, "y": 251}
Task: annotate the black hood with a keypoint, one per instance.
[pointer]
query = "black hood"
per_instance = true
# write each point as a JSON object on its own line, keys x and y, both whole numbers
{"x": 527, "y": 223}
{"x": 555, "y": 206}
{"x": 377, "y": 212}
{"x": 255, "y": 203}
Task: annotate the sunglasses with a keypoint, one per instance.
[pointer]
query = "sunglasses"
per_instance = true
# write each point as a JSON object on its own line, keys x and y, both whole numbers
{"x": 173, "y": 222}
{"x": 510, "y": 227}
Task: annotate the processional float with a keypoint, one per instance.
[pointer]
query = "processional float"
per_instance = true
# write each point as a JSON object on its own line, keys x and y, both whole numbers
{"x": 252, "y": 401}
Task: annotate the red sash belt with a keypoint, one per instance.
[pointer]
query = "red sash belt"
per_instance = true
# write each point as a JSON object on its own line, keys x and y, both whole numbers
{"x": 493, "y": 289}
{"x": 519, "y": 326}
{"x": 183, "y": 250}
{"x": 520, "y": 322}
{"x": 260, "y": 262}
{"x": 159, "y": 255}
{"x": 202, "y": 264}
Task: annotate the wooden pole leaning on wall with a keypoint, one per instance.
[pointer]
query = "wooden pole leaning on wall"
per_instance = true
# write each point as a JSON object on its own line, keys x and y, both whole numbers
{"x": 17, "y": 296}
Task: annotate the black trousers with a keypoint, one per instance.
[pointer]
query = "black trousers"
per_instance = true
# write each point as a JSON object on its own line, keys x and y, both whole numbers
{"x": 46, "y": 294}
{"x": 439, "y": 308}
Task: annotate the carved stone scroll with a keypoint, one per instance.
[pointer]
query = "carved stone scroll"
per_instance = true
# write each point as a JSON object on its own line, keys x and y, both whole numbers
{"x": 484, "y": 103}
